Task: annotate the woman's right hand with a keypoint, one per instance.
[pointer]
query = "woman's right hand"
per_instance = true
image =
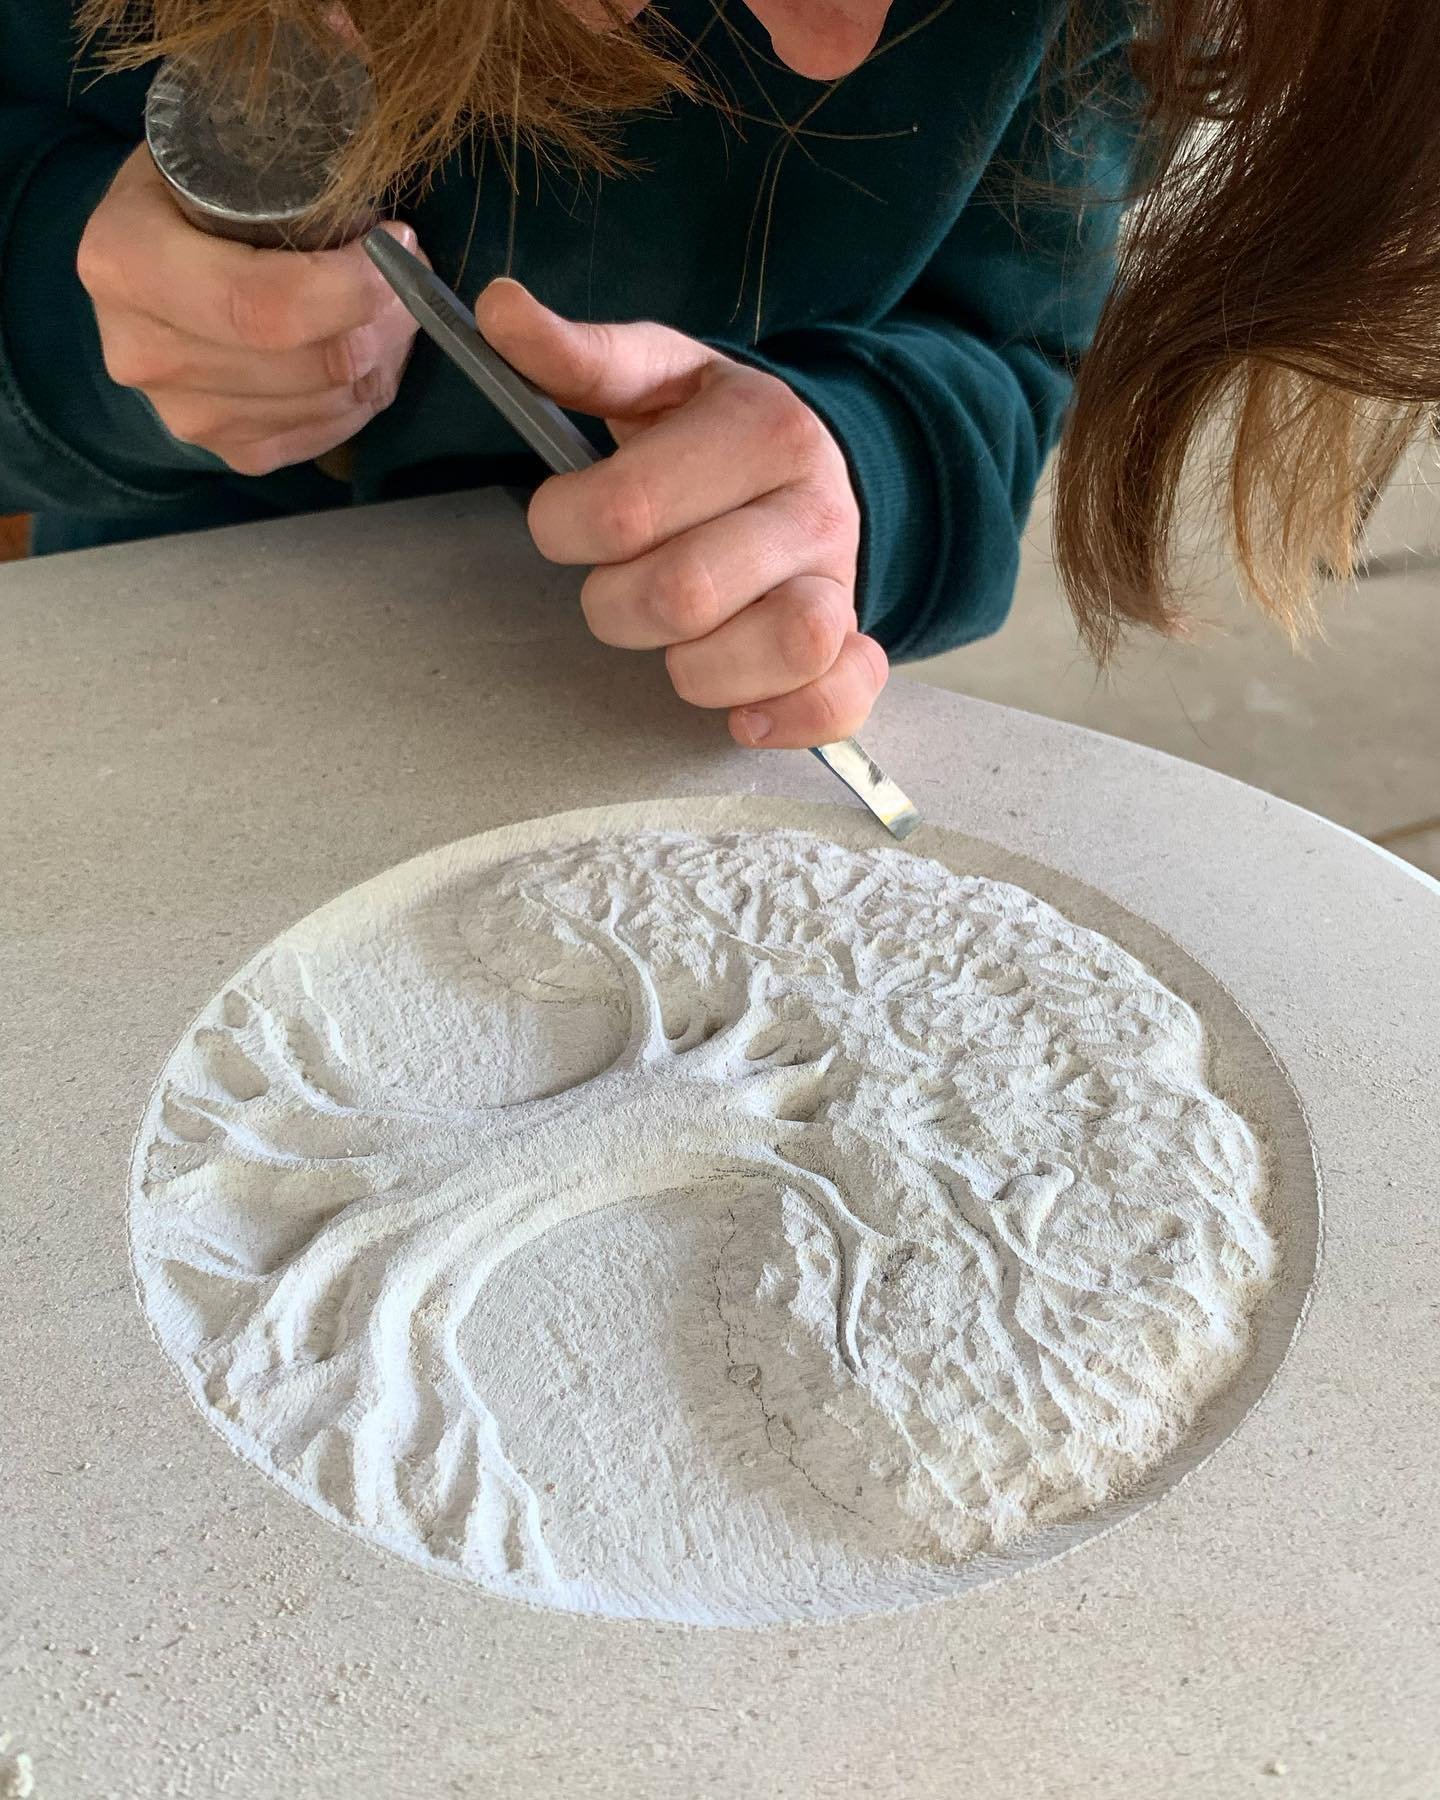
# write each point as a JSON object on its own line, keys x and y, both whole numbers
{"x": 264, "y": 357}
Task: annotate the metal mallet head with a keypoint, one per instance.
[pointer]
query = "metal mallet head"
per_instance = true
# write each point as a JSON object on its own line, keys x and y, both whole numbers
{"x": 254, "y": 163}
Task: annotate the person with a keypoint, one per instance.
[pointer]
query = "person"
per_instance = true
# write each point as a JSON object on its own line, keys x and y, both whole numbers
{"x": 826, "y": 269}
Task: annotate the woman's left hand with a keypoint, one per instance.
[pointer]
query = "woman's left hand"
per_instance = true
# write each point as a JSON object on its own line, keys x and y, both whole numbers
{"x": 724, "y": 528}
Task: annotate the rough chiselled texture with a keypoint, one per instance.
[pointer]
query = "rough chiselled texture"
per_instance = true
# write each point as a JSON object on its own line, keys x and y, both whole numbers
{"x": 724, "y": 1228}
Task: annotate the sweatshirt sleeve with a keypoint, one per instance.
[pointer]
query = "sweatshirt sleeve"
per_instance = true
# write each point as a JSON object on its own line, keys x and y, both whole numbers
{"x": 948, "y": 406}
{"x": 71, "y": 440}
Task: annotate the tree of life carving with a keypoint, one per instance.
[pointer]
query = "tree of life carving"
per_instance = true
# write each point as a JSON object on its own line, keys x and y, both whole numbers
{"x": 1022, "y": 1235}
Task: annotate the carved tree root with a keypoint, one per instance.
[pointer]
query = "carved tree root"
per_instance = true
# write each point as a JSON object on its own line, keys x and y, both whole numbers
{"x": 346, "y": 1363}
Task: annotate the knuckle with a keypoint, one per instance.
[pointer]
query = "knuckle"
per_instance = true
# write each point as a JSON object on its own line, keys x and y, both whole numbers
{"x": 683, "y": 596}
{"x": 129, "y": 362}
{"x": 193, "y": 421}
{"x": 252, "y": 459}
{"x": 263, "y": 318}
{"x": 829, "y": 514}
{"x": 374, "y": 391}
{"x": 600, "y": 610}
{"x": 587, "y": 366}
{"x": 100, "y": 262}
{"x": 840, "y": 702}
{"x": 626, "y": 521}
{"x": 545, "y": 517}
{"x": 830, "y": 717}
{"x": 811, "y": 635}
{"x": 792, "y": 428}
{"x": 92, "y": 262}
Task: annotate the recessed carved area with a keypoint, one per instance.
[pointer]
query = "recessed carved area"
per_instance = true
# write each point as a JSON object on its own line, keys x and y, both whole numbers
{"x": 722, "y": 1226}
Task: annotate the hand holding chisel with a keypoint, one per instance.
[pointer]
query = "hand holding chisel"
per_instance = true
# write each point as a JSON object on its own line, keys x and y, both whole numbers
{"x": 724, "y": 530}
{"x": 628, "y": 619}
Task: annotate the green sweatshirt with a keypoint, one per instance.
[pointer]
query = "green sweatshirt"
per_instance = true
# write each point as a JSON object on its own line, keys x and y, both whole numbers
{"x": 891, "y": 258}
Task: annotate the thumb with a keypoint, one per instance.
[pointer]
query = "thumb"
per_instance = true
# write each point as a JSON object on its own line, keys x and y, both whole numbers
{"x": 609, "y": 371}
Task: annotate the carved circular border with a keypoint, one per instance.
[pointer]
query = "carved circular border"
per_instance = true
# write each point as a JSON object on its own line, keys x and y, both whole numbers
{"x": 1244, "y": 1072}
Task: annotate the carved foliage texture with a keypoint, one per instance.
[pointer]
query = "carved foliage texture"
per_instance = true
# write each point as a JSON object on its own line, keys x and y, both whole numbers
{"x": 1019, "y": 1237}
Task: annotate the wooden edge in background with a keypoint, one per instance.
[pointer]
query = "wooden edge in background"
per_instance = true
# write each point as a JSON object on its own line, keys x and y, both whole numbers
{"x": 14, "y": 537}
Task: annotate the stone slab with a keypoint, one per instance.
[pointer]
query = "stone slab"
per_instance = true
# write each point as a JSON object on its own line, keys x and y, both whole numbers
{"x": 206, "y": 738}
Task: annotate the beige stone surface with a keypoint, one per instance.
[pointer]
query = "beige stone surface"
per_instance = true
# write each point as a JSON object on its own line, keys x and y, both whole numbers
{"x": 1349, "y": 727}
{"x": 205, "y": 739}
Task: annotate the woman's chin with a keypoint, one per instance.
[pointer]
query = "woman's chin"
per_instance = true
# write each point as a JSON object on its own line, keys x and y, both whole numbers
{"x": 826, "y": 54}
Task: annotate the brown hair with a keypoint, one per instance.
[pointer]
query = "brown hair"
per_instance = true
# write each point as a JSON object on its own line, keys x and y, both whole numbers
{"x": 1280, "y": 278}
{"x": 1279, "y": 274}
{"x": 444, "y": 71}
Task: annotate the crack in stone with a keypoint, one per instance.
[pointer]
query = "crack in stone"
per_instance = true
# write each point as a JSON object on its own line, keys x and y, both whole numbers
{"x": 768, "y": 1418}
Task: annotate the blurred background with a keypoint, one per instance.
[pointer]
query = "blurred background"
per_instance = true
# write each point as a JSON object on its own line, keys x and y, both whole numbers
{"x": 1349, "y": 726}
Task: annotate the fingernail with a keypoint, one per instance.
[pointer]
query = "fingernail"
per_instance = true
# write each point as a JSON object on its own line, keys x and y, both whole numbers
{"x": 756, "y": 726}
{"x": 408, "y": 238}
{"x": 363, "y": 347}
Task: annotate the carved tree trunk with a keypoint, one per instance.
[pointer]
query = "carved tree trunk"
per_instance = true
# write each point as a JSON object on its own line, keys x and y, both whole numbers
{"x": 345, "y": 1359}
